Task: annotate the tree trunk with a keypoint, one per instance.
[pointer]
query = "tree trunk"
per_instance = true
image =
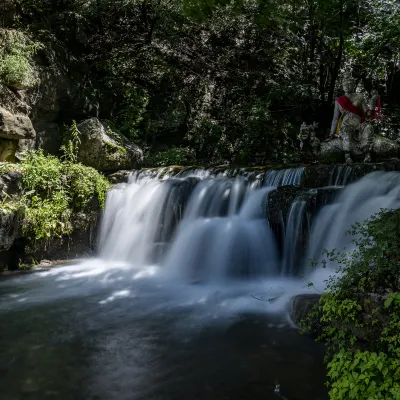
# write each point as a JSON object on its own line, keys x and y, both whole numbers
{"x": 338, "y": 60}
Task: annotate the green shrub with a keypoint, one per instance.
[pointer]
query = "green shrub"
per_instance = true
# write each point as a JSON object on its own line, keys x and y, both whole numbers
{"x": 15, "y": 61}
{"x": 54, "y": 191}
{"x": 361, "y": 313}
{"x": 84, "y": 183}
{"x": 172, "y": 156}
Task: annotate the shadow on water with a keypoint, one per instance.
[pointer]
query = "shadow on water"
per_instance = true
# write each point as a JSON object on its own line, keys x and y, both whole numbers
{"x": 136, "y": 339}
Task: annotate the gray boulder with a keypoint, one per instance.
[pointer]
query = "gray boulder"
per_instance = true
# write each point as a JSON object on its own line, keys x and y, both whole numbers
{"x": 15, "y": 126}
{"x": 105, "y": 150}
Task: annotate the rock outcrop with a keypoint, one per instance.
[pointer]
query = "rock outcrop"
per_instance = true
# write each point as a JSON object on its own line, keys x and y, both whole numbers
{"x": 60, "y": 91}
{"x": 15, "y": 126}
{"x": 10, "y": 185}
{"x": 105, "y": 150}
{"x": 301, "y": 306}
{"x": 9, "y": 222}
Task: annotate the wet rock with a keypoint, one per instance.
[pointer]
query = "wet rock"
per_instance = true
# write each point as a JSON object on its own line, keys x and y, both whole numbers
{"x": 104, "y": 150}
{"x": 304, "y": 312}
{"x": 317, "y": 176}
{"x": 80, "y": 243}
{"x": 301, "y": 306}
{"x": 120, "y": 177}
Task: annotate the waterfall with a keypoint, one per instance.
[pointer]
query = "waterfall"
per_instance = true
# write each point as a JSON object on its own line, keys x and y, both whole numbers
{"x": 356, "y": 203}
{"x": 202, "y": 226}
{"x": 236, "y": 243}
{"x": 297, "y": 225}
{"x": 341, "y": 175}
{"x": 284, "y": 177}
{"x": 140, "y": 216}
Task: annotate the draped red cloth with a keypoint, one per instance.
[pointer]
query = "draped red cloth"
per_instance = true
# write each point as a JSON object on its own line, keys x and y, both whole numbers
{"x": 376, "y": 113}
{"x": 347, "y": 105}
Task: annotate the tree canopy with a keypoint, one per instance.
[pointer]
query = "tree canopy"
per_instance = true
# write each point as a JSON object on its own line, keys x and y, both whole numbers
{"x": 231, "y": 80}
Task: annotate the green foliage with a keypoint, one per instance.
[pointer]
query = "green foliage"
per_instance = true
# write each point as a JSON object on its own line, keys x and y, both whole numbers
{"x": 361, "y": 313}
{"x": 72, "y": 142}
{"x": 15, "y": 60}
{"x": 364, "y": 375}
{"x": 48, "y": 217}
{"x": 54, "y": 191}
{"x": 173, "y": 156}
{"x": 373, "y": 266}
{"x": 84, "y": 184}
{"x": 131, "y": 112}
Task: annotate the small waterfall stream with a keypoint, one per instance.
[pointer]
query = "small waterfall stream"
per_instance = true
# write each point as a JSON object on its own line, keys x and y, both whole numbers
{"x": 202, "y": 226}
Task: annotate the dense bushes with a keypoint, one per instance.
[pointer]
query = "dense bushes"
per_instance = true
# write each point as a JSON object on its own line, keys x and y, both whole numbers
{"x": 361, "y": 313}
{"x": 53, "y": 191}
{"x": 16, "y": 50}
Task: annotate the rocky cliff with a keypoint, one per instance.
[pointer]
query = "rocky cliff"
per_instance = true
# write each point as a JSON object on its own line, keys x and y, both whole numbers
{"x": 43, "y": 88}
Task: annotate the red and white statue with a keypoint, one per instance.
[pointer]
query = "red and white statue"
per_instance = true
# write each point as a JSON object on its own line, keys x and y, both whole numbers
{"x": 352, "y": 121}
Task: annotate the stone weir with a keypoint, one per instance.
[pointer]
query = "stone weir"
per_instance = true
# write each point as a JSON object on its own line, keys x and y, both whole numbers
{"x": 308, "y": 176}
{"x": 297, "y": 195}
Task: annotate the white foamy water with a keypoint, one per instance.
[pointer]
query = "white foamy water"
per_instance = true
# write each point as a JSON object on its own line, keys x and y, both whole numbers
{"x": 357, "y": 202}
{"x": 213, "y": 244}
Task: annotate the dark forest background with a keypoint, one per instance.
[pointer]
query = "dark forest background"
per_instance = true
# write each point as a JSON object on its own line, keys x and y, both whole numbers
{"x": 223, "y": 81}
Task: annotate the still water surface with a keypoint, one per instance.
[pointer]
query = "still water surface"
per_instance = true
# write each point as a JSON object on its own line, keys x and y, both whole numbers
{"x": 99, "y": 333}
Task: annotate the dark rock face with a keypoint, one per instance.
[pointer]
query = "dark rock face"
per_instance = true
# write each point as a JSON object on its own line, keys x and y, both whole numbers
{"x": 10, "y": 184}
{"x": 300, "y": 308}
{"x": 62, "y": 92}
{"x": 320, "y": 175}
{"x": 48, "y": 136}
{"x": 9, "y": 223}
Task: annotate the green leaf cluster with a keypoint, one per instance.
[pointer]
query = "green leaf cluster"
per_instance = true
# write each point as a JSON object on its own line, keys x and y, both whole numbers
{"x": 16, "y": 68}
{"x": 55, "y": 190}
{"x": 360, "y": 313}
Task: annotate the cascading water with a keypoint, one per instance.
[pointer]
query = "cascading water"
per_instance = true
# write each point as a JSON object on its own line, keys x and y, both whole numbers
{"x": 201, "y": 228}
{"x": 341, "y": 175}
{"x": 140, "y": 216}
{"x": 298, "y": 223}
{"x": 224, "y": 232}
{"x": 284, "y": 177}
{"x": 357, "y": 202}
{"x": 211, "y": 247}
